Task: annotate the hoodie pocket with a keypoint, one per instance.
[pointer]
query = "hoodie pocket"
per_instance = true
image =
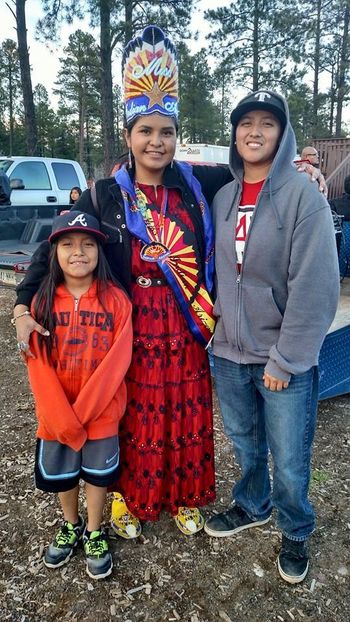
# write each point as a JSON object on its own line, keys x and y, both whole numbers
{"x": 260, "y": 319}
{"x": 220, "y": 333}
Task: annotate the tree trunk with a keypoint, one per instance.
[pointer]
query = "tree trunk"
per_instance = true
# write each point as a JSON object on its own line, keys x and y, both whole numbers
{"x": 331, "y": 104}
{"x": 128, "y": 31}
{"x": 89, "y": 167}
{"x": 11, "y": 108}
{"x": 28, "y": 102}
{"x": 256, "y": 47}
{"x": 82, "y": 115}
{"x": 341, "y": 90}
{"x": 222, "y": 111}
{"x": 106, "y": 86}
{"x": 315, "y": 96}
{"x": 118, "y": 110}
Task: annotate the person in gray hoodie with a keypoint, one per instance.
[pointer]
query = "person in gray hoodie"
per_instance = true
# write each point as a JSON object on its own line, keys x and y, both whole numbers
{"x": 277, "y": 283}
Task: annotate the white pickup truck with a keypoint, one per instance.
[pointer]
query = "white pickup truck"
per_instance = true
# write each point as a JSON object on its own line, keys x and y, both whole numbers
{"x": 41, "y": 181}
{"x": 201, "y": 153}
{"x": 40, "y": 189}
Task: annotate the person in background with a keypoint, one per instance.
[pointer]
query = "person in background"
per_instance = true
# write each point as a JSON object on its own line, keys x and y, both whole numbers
{"x": 77, "y": 378}
{"x": 311, "y": 155}
{"x": 341, "y": 205}
{"x": 74, "y": 195}
{"x": 277, "y": 283}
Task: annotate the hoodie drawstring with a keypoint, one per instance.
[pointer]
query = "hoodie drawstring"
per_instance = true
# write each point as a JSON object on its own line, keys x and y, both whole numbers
{"x": 232, "y": 204}
{"x": 274, "y": 206}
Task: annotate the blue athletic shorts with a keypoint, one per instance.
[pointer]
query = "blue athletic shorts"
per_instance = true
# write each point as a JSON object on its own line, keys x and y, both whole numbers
{"x": 59, "y": 468}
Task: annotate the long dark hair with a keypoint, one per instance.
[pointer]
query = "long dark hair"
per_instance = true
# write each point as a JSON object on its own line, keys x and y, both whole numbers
{"x": 44, "y": 299}
{"x": 79, "y": 191}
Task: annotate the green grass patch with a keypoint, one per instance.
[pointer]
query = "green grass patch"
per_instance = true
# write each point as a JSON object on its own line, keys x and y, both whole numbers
{"x": 318, "y": 477}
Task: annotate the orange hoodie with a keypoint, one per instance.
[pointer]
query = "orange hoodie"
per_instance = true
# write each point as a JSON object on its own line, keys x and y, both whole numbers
{"x": 82, "y": 394}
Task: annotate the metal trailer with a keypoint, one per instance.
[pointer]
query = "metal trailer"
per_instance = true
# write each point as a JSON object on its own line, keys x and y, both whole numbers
{"x": 334, "y": 362}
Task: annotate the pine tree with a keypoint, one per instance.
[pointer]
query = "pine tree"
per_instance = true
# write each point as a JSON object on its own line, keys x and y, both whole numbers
{"x": 199, "y": 115}
{"x": 11, "y": 102}
{"x": 78, "y": 89}
{"x": 254, "y": 39}
{"x": 26, "y": 80}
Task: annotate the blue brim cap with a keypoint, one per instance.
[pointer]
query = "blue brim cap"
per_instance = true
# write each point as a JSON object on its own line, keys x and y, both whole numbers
{"x": 76, "y": 222}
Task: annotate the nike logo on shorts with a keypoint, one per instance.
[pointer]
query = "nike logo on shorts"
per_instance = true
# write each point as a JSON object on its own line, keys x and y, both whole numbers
{"x": 108, "y": 460}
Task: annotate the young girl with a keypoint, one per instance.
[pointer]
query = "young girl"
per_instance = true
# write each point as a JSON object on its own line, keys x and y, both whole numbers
{"x": 77, "y": 378}
{"x": 74, "y": 195}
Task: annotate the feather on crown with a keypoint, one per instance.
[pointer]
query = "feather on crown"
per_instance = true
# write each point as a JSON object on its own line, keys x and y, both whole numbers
{"x": 150, "y": 75}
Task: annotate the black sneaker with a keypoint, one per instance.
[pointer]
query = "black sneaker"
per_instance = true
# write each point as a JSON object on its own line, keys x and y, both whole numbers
{"x": 99, "y": 561}
{"x": 230, "y": 522}
{"x": 293, "y": 560}
{"x": 66, "y": 540}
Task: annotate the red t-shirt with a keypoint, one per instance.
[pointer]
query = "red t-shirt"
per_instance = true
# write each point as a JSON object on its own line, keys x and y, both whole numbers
{"x": 245, "y": 212}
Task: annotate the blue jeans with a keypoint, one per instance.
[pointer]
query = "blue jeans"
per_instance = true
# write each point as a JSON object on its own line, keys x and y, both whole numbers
{"x": 256, "y": 420}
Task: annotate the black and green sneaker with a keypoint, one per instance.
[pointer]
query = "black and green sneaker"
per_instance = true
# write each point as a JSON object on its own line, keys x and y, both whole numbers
{"x": 66, "y": 540}
{"x": 99, "y": 561}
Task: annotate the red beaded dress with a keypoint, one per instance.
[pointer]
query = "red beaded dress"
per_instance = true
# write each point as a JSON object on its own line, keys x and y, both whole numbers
{"x": 166, "y": 434}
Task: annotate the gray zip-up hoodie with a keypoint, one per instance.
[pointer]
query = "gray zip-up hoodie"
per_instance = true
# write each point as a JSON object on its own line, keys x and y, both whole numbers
{"x": 278, "y": 310}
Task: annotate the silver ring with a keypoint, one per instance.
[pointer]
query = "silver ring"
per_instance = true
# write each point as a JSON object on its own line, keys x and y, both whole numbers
{"x": 22, "y": 346}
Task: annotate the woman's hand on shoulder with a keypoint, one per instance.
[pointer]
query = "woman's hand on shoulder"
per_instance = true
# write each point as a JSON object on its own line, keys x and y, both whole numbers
{"x": 315, "y": 175}
{"x": 25, "y": 324}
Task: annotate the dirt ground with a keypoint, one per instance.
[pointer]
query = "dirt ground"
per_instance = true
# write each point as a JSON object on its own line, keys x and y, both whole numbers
{"x": 165, "y": 576}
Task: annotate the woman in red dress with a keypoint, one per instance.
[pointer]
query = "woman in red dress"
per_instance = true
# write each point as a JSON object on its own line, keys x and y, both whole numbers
{"x": 167, "y": 458}
{"x": 167, "y": 454}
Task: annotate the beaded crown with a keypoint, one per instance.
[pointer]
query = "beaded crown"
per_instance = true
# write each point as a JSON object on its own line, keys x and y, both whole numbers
{"x": 150, "y": 75}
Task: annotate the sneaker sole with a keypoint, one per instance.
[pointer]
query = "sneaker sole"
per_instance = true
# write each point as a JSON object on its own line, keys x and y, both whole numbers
{"x": 290, "y": 578}
{"x": 99, "y": 576}
{"x": 61, "y": 563}
{"x": 232, "y": 532}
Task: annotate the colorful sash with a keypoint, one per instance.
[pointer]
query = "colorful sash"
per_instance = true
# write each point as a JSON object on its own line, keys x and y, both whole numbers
{"x": 164, "y": 243}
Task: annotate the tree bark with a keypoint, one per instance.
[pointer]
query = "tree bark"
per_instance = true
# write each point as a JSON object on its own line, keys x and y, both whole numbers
{"x": 341, "y": 86}
{"x": 28, "y": 101}
{"x": 256, "y": 47}
{"x": 82, "y": 115}
{"x": 128, "y": 32}
{"x": 106, "y": 86}
{"x": 10, "y": 106}
{"x": 315, "y": 94}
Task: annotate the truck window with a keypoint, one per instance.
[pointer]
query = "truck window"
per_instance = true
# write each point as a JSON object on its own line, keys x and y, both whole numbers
{"x": 34, "y": 175}
{"x": 65, "y": 175}
{"x": 5, "y": 164}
